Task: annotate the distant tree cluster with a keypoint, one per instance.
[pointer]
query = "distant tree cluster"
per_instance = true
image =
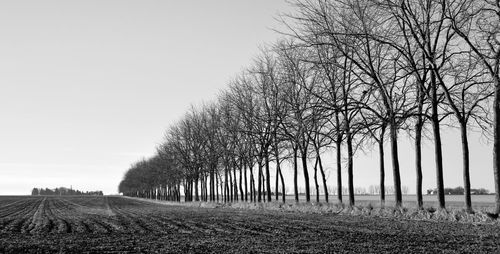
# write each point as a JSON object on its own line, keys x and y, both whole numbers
{"x": 459, "y": 191}
{"x": 389, "y": 190}
{"x": 347, "y": 76}
{"x": 62, "y": 191}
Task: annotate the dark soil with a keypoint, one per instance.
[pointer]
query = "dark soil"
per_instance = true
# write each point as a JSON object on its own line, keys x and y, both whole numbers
{"x": 121, "y": 225}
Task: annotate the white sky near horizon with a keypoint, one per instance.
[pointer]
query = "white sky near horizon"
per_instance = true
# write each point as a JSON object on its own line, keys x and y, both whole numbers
{"x": 89, "y": 87}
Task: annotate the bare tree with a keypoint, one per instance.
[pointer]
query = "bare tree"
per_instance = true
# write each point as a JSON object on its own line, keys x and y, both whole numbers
{"x": 477, "y": 23}
{"x": 299, "y": 77}
{"x": 328, "y": 92}
{"x": 424, "y": 23}
{"x": 317, "y": 25}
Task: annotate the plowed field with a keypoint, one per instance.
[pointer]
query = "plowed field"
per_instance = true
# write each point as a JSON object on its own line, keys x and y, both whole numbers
{"x": 123, "y": 225}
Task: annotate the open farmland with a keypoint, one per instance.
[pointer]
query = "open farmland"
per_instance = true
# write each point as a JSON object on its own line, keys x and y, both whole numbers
{"x": 117, "y": 224}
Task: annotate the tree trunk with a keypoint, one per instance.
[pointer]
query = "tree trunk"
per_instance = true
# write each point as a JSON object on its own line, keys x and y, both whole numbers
{"x": 217, "y": 185}
{"x": 395, "y": 163}
{"x": 306, "y": 175}
{"x": 259, "y": 183}
{"x": 222, "y": 188}
{"x": 276, "y": 184}
{"x": 418, "y": 161}
{"x": 325, "y": 186}
{"x": 264, "y": 182}
{"x": 196, "y": 194}
{"x": 246, "y": 185}
{"x": 496, "y": 145}
{"x": 465, "y": 158}
{"x": 186, "y": 194}
{"x": 242, "y": 194}
{"x": 283, "y": 194}
{"x": 268, "y": 176}
{"x": 339, "y": 170}
{"x": 278, "y": 169}
{"x": 316, "y": 179}
{"x": 350, "y": 167}
{"x": 231, "y": 188}
{"x": 439, "y": 165}
{"x": 295, "y": 182}
{"x": 178, "y": 191}
{"x": 235, "y": 183}
{"x": 226, "y": 185}
{"x": 191, "y": 190}
{"x": 202, "y": 188}
{"x": 186, "y": 191}
{"x": 212, "y": 184}
{"x": 382, "y": 169}
{"x": 206, "y": 187}
{"x": 252, "y": 188}
{"x": 252, "y": 185}
{"x": 437, "y": 143}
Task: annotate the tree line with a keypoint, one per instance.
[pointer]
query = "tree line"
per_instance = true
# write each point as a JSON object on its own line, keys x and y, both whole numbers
{"x": 62, "y": 191}
{"x": 346, "y": 76}
{"x": 459, "y": 191}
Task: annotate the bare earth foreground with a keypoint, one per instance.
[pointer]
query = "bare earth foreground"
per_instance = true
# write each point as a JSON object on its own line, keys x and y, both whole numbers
{"x": 122, "y": 225}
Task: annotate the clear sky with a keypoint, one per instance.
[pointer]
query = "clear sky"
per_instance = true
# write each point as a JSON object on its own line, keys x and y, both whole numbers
{"x": 89, "y": 87}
